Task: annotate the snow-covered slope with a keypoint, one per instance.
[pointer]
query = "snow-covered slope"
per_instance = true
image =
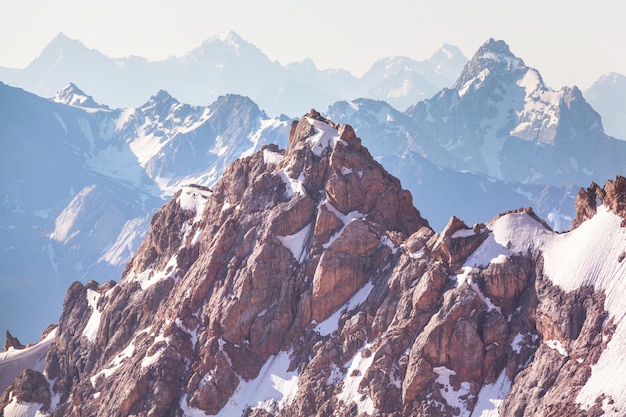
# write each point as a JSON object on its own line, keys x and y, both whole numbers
{"x": 589, "y": 256}
{"x": 500, "y": 119}
{"x": 80, "y": 182}
{"x": 13, "y": 361}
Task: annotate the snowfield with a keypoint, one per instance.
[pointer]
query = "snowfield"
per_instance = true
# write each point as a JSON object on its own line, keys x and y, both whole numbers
{"x": 590, "y": 255}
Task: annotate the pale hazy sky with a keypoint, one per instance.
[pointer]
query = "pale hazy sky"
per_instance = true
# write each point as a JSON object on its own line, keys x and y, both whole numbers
{"x": 571, "y": 42}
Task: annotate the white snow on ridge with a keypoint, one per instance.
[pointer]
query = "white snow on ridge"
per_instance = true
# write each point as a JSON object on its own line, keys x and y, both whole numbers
{"x": 586, "y": 256}
{"x": 194, "y": 199}
{"x": 13, "y": 361}
{"x": 540, "y": 109}
{"x": 589, "y": 255}
{"x": 511, "y": 234}
{"x": 270, "y": 157}
{"x": 325, "y": 136}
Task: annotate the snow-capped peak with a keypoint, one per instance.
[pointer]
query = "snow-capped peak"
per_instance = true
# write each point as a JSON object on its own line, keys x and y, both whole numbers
{"x": 446, "y": 53}
{"x": 62, "y": 41}
{"x": 74, "y": 96}
{"x": 160, "y": 99}
{"x": 231, "y": 38}
{"x": 494, "y": 56}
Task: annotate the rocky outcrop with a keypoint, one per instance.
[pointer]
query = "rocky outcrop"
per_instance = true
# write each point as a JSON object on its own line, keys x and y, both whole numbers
{"x": 12, "y": 342}
{"x": 306, "y": 283}
{"x": 613, "y": 195}
{"x": 28, "y": 387}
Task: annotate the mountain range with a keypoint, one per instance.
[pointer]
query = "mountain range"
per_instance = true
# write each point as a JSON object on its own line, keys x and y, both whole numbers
{"x": 304, "y": 282}
{"x": 80, "y": 183}
{"x": 228, "y": 64}
{"x": 497, "y": 139}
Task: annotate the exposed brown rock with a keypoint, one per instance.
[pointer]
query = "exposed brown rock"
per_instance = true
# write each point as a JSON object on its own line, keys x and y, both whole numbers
{"x": 28, "y": 387}
{"x": 280, "y": 248}
{"x": 12, "y": 342}
{"x": 586, "y": 203}
{"x": 613, "y": 195}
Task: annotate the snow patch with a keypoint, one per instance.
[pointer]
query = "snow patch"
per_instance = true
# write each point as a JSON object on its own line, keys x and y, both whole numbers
{"x": 345, "y": 219}
{"x": 517, "y": 343}
{"x": 350, "y": 393}
{"x": 193, "y": 199}
{"x": 296, "y": 242}
{"x": 325, "y": 136}
{"x": 149, "y": 360}
{"x": 557, "y": 345}
{"x": 60, "y": 120}
{"x": 270, "y": 157}
{"x": 331, "y": 324}
{"x": 457, "y": 399}
{"x": 117, "y": 361}
{"x": 19, "y": 409}
{"x": 91, "y": 329}
{"x": 294, "y": 186}
{"x": 491, "y": 396}
{"x": 463, "y": 233}
{"x": 274, "y": 388}
{"x": 149, "y": 277}
{"x": 387, "y": 242}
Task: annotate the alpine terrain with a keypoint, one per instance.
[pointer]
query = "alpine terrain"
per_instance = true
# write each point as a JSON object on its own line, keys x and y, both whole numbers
{"x": 467, "y": 152}
{"x": 228, "y": 64}
{"x": 80, "y": 182}
{"x": 305, "y": 283}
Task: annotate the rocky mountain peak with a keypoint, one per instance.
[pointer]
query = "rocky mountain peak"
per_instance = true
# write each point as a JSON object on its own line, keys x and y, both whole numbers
{"x": 12, "y": 342}
{"x": 306, "y": 283}
{"x": 612, "y": 195}
{"x": 74, "y": 96}
{"x": 160, "y": 103}
{"x": 61, "y": 41}
{"x": 225, "y": 45}
{"x": 448, "y": 60}
{"x": 63, "y": 51}
{"x": 233, "y": 105}
{"x": 493, "y": 57}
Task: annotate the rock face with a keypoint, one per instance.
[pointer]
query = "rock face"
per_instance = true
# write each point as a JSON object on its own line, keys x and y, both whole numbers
{"x": 12, "y": 342}
{"x": 613, "y": 195}
{"x": 306, "y": 283}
